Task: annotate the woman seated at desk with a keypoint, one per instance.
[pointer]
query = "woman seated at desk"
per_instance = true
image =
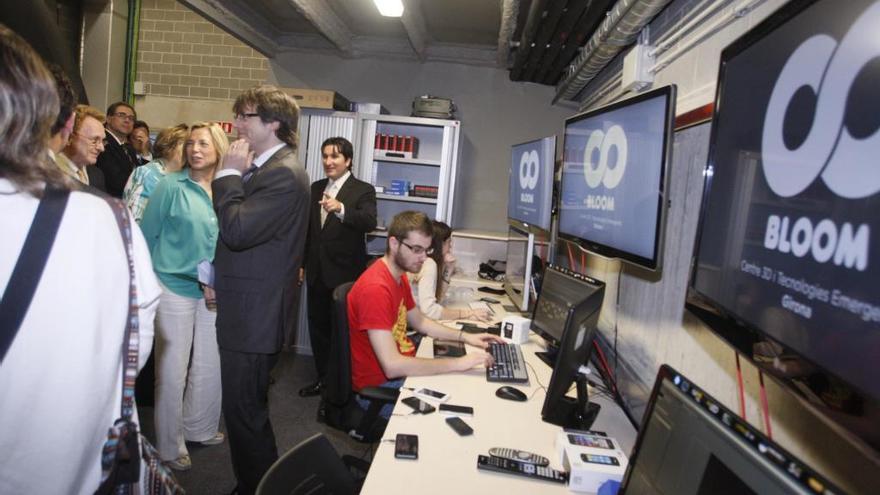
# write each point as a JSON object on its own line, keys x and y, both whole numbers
{"x": 430, "y": 284}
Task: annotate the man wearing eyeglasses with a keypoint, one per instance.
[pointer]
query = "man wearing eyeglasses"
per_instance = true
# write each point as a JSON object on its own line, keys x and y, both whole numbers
{"x": 83, "y": 147}
{"x": 380, "y": 306}
{"x": 261, "y": 196}
{"x": 119, "y": 158}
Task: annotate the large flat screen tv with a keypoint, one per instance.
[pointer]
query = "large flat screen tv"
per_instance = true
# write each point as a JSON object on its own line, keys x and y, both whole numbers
{"x": 787, "y": 260}
{"x": 614, "y": 178}
{"x": 530, "y": 191}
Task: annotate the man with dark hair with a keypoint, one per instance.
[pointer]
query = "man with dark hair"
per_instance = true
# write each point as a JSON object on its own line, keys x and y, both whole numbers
{"x": 381, "y": 306}
{"x": 63, "y": 126}
{"x": 118, "y": 159}
{"x": 261, "y": 197}
{"x": 343, "y": 209}
{"x": 139, "y": 139}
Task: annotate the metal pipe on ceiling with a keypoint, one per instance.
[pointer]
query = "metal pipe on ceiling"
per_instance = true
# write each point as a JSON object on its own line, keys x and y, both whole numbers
{"x": 619, "y": 29}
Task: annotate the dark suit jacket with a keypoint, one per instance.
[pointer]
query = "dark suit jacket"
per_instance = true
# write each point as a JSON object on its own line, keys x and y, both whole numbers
{"x": 337, "y": 253}
{"x": 96, "y": 178}
{"x": 262, "y": 238}
{"x": 117, "y": 161}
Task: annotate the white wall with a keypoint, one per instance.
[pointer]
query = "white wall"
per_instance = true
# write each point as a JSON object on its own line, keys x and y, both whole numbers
{"x": 494, "y": 112}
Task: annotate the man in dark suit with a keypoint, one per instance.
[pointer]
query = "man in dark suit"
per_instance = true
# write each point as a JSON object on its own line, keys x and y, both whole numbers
{"x": 261, "y": 198}
{"x": 343, "y": 209}
{"x": 118, "y": 159}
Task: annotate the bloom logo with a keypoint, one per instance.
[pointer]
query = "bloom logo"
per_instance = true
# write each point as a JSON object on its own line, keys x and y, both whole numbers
{"x": 827, "y": 76}
{"x": 605, "y": 145}
{"x": 529, "y": 170}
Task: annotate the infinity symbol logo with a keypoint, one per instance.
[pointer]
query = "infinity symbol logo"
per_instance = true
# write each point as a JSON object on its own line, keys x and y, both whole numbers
{"x": 529, "y": 170}
{"x": 824, "y": 71}
{"x": 596, "y": 169}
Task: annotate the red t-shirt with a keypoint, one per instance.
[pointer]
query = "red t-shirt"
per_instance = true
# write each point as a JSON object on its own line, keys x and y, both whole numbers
{"x": 377, "y": 302}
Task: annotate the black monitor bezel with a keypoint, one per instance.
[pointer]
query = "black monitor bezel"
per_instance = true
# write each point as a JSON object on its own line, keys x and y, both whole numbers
{"x": 656, "y": 262}
{"x": 561, "y": 379}
{"x": 519, "y": 223}
{"x": 741, "y": 428}
{"x": 732, "y": 329}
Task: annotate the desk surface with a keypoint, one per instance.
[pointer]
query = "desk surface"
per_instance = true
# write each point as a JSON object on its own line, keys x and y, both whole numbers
{"x": 448, "y": 462}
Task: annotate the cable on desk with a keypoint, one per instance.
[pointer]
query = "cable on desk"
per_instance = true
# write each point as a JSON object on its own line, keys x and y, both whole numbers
{"x": 540, "y": 385}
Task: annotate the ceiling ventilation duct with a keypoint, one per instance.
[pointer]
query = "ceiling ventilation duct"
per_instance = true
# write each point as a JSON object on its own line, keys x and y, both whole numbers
{"x": 619, "y": 29}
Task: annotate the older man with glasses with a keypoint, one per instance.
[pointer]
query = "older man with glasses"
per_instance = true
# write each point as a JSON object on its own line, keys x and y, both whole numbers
{"x": 119, "y": 158}
{"x": 85, "y": 144}
{"x": 381, "y": 306}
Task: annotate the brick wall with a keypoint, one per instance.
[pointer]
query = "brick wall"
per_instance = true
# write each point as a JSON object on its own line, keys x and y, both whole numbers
{"x": 180, "y": 54}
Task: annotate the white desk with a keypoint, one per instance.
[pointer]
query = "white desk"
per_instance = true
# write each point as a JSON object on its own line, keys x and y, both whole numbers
{"x": 447, "y": 462}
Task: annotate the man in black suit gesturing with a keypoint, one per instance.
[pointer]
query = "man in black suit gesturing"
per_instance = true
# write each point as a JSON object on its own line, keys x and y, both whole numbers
{"x": 343, "y": 209}
{"x": 261, "y": 198}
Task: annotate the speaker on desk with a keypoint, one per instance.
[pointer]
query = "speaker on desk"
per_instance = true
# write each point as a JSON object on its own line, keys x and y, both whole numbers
{"x": 515, "y": 329}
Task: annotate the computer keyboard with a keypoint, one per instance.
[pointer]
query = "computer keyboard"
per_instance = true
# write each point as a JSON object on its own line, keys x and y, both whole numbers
{"x": 510, "y": 367}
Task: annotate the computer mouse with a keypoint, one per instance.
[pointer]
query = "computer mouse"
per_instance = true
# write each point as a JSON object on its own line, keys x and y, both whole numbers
{"x": 511, "y": 393}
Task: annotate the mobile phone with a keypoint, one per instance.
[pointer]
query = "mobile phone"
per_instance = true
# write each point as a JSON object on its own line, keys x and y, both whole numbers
{"x": 450, "y": 410}
{"x": 418, "y": 405}
{"x": 406, "y": 446}
{"x": 459, "y": 426}
{"x": 489, "y": 300}
{"x": 428, "y": 394}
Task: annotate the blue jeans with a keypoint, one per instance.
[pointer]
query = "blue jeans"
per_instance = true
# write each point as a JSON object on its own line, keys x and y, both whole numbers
{"x": 385, "y": 412}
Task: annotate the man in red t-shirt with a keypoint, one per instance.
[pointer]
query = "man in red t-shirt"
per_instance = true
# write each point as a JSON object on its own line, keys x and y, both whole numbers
{"x": 380, "y": 305}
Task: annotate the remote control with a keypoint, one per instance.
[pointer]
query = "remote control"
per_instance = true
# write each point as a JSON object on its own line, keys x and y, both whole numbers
{"x": 459, "y": 426}
{"x": 501, "y": 465}
{"x": 519, "y": 455}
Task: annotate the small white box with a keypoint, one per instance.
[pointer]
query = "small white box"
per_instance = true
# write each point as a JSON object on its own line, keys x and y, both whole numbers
{"x": 515, "y": 329}
{"x": 590, "y": 460}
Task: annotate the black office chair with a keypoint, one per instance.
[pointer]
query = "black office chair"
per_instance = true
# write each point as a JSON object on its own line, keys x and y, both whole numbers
{"x": 338, "y": 405}
{"x": 312, "y": 467}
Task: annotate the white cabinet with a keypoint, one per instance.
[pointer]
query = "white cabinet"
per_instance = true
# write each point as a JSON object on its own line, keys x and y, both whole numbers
{"x": 431, "y": 163}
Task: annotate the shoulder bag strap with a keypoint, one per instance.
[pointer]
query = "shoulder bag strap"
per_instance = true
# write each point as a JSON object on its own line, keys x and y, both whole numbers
{"x": 29, "y": 268}
{"x": 130, "y": 342}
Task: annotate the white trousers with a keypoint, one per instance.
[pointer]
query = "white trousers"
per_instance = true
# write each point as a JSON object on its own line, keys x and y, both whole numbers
{"x": 187, "y": 374}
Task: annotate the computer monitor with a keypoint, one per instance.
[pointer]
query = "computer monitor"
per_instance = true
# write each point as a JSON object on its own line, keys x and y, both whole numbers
{"x": 518, "y": 269}
{"x": 787, "y": 257}
{"x": 524, "y": 269}
{"x": 530, "y": 192}
{"x": 689, "y": 444}
{"x": 612, "y": 193}
{"x": 566, "y": 315}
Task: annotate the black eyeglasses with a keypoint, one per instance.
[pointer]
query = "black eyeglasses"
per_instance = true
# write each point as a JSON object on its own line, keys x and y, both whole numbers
{"x": 123, "y": 116}
{"x": 417, "y": 250}
{"x": 242, "y": 116}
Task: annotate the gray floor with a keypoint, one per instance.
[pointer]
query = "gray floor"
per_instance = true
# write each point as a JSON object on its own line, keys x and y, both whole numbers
{"x": 293, "y": 419}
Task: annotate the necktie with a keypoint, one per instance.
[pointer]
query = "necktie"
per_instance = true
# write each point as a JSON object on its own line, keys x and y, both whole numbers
{"x": 249, "y": 173}
{"x": 82, "y": 176}
{"x": 329, "y": 191}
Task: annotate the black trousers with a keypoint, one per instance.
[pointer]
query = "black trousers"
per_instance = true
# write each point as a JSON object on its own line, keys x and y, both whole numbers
{"x": 245, "y": 378}
{"x": 320, "y": 302}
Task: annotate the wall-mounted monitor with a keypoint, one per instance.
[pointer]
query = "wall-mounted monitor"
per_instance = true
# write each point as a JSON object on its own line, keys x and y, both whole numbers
{"x": 787, "y": 256}
{"x": 612, "y": 194}
{"x": 530, "y": 192}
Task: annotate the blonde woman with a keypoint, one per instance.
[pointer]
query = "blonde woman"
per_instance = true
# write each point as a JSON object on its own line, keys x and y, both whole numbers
{"x": 181, "y": 230}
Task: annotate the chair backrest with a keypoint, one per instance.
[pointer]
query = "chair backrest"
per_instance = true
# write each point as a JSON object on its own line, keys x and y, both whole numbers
{"x": 311, "y": 467}
{"x": 337, "y": 381}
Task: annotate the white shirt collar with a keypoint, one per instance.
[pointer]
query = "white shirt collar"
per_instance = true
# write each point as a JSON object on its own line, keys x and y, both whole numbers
{"x": 109, "y": 132}
{"x": 264, "y": 156}
{"x": 338, "y": 182}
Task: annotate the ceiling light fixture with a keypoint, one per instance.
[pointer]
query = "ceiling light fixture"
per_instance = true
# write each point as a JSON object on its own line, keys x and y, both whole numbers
{"x": 389, "y": 8}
